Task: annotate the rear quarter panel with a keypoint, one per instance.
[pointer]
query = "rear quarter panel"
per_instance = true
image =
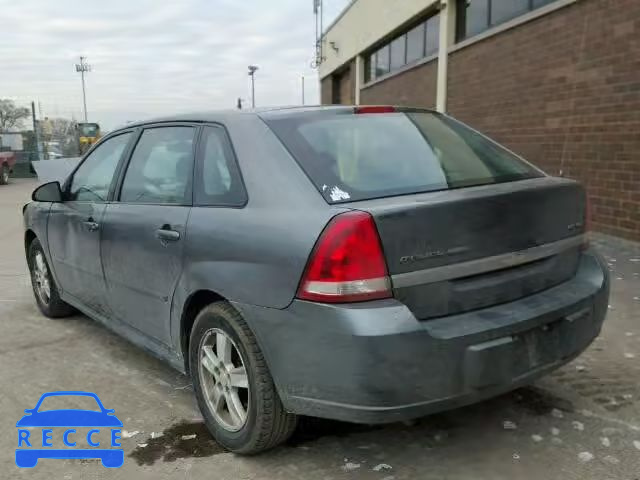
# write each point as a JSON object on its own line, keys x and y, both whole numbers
{"x": 255, "y": 254}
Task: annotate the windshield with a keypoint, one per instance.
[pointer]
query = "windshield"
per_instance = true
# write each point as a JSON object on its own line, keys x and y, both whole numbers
{"x": 88, "y": 129}
{"x": 66, "y": 402}
{"x": 358, "y": 157}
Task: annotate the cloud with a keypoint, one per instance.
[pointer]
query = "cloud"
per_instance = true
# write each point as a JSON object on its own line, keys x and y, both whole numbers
{"x": 153, "y": 57}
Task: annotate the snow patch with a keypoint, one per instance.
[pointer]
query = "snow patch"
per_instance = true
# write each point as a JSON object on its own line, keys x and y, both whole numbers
{"x": 557, "y": 413}
{"x": 350, "y": 466}
{"x": 605, "y": 441}
{"x": 578, "y": 425}
{"x": 585, "y": 456}
{"x": 126, "y": 434}
{"x": 382, "y": 466}
{"x": 536, "y": 438}
{"x": 612, "y": 460}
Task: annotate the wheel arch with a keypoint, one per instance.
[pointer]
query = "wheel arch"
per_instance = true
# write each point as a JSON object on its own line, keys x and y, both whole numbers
{"x": 192, "y": 306}
{"x": 29, "y": 237}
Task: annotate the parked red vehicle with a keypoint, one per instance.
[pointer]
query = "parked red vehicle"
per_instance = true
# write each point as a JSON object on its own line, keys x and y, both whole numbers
{"x": 7, "y": 161}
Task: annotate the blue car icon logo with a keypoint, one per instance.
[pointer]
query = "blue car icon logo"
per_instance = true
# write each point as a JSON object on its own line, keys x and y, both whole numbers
{"x": 35, "y": 433}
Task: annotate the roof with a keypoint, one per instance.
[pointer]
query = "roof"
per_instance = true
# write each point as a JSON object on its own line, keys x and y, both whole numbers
{"x": 221, "y": 115}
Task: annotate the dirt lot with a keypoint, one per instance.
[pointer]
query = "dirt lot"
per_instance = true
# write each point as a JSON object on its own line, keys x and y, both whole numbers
{"x": 582, "y": 422}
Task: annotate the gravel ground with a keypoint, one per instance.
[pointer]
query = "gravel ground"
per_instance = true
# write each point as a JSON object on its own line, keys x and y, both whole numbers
{"x": 581, "y": 422}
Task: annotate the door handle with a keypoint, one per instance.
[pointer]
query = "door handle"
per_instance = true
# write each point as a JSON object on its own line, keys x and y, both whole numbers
{"x": 91, "y": 225}
{"x": 166, "y": 234}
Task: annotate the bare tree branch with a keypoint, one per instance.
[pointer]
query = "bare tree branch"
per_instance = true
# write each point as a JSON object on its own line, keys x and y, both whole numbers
{"x": 10, "y": 115}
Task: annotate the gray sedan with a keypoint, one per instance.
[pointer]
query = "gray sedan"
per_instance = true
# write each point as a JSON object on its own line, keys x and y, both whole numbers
{"x": 367, "y": 264}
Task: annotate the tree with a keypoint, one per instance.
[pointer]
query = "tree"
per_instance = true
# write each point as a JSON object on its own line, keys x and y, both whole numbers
{"x": 11, "y": 116}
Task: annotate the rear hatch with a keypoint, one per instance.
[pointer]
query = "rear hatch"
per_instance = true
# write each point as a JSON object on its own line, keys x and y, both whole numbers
{"x": 450, "y": 252}
{"x": 464, "y": 223}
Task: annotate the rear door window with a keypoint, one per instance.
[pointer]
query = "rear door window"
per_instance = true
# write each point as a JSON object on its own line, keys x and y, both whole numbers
{"x": 363, "y": 156}
{"x": 161, "y": 167}
{"x": 217, "y": 180}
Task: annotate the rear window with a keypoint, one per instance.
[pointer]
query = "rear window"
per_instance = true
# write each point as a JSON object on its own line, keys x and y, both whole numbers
{"x": 359, "y": 157}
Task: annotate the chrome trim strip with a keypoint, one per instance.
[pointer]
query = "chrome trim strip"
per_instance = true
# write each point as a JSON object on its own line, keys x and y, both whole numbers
{"x": 482, "y": 265}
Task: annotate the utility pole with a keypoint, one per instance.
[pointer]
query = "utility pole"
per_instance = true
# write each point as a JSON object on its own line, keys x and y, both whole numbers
{"x": 82, "y": 67}
{"x": 35, "y": 129}
{"x": 302, "y": 89}
{"x": 252, "y": 72}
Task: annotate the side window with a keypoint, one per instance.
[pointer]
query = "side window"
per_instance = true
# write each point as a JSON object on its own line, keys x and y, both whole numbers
{"x": 218, "y": 178}
{"x": 161, "y": 167}
{"x": 91, "y": 182}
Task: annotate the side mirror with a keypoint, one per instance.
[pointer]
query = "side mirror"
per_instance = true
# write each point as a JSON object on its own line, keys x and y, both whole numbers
{"x": 48, "y": 192}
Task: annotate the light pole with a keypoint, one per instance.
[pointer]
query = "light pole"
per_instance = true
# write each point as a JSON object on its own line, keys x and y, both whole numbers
{"x": 82, "y": 67}
{"x": 302, "y": 89}
{"x": 252, "y": 71}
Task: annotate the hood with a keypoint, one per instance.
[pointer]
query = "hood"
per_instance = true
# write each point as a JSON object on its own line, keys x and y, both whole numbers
{"x": 56, "y": 169}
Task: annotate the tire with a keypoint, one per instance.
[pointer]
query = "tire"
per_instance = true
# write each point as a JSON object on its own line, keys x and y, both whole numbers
{"x": 267, "y": 424}
{"x": 4, "y": 174}
{"x": 51, "y": 305}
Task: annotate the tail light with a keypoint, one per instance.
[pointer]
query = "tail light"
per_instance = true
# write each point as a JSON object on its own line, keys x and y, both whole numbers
{"x": 347, "y": 263}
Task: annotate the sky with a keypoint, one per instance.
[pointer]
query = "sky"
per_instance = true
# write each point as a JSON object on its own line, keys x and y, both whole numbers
{"x": 157, "y": 57}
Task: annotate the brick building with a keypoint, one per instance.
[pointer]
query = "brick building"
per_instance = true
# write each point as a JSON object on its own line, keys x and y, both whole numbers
{"x": 557, "y": 81}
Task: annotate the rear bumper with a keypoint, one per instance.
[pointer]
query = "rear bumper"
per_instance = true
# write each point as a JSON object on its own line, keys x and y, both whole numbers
{"x": 374, "y": 362}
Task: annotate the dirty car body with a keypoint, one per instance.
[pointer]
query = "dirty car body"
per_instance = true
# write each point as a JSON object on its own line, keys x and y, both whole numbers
{"x": 487, "y": 280}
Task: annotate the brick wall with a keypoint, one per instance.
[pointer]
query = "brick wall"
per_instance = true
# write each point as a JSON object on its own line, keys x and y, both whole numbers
{"x": 564, "y": 91}
{"x": 415, "y": 87}
{"x": 347, "y": 86}
{"x": 325, "y": 90}
{"x": 344, "y": 80}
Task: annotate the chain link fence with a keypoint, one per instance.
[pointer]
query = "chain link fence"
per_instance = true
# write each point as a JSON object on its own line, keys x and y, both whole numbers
{"x": 56, "y": 134}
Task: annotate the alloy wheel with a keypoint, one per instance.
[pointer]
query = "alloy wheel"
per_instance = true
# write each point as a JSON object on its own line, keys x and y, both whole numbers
{"x": 40, "y": 273}
{"x": 224, "y": 379}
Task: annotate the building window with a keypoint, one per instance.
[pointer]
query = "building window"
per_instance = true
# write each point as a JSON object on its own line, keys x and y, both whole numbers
{"x": 476, "y": 16}
{"x": 369, "y": 67}
{"x": 382, "y": 61}
{"x": 433, "y": 35}
{"x": 504, "y": 10}
{"x": 398, "y": 52}
{"x": 416, "y": 43}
